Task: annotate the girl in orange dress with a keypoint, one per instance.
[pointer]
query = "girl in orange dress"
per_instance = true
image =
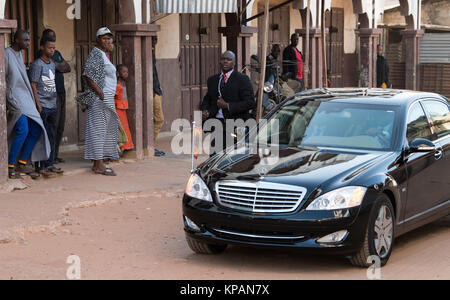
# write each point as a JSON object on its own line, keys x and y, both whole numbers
{"x": 121, "y": 101}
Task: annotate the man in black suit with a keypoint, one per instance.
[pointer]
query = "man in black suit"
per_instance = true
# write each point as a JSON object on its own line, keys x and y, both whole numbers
{"x": 293, "y": 64}
{"x": 382, "y": 69}
{"x": 230, "y": 96}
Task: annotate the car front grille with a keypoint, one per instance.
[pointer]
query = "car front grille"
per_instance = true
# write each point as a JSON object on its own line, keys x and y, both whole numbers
{"x": 259, "y": 197}
{"x": 256, "y": 237}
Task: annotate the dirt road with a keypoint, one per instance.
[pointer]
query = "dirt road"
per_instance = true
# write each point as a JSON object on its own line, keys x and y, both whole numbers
{"x": 130, "y": 227}
{"x": 141, "y": 237}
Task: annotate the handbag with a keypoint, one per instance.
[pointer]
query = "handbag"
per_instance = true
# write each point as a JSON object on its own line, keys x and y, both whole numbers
{"x": 85, "y": 99}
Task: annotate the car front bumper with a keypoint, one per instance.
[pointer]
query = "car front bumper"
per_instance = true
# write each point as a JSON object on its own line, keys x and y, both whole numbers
{"x": 300, "y": 230}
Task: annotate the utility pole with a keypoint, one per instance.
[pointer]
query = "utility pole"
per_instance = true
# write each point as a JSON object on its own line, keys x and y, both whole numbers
{"x": 263, "y": 61}
{"x": 324, "y": 56}
{"x": 306, "y": 50}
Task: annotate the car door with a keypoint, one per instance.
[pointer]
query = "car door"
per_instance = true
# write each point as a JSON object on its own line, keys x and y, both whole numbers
{"x": 438, "y": 111}
{"x": 423, "y": 188}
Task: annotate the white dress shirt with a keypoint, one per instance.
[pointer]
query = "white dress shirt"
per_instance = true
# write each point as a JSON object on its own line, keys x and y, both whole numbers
{"x": 220, "y": 112}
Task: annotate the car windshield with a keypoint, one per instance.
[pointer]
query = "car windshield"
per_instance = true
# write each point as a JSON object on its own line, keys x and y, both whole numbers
{"x": 332, "y": 124}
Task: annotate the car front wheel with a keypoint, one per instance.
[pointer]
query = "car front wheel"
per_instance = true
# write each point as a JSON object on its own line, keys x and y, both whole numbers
{"x": 204, "y": 248}
{"x": 379, "y": 236}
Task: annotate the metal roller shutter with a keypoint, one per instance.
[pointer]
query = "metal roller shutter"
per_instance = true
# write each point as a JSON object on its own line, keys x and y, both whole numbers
{"x": 435, "y": 48}
{"x": 195, "y": 6}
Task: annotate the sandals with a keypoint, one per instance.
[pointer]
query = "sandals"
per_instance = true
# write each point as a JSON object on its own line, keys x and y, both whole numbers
{"x": 55, "y": 170}
{"x": 106, "y": 172}
{"x": 34, "y": 175}
{"x": 47, "y": 173}
{"x": 12, "y": 174}
{"x": 24, "y": 169}
{"x": 27, "y": 170}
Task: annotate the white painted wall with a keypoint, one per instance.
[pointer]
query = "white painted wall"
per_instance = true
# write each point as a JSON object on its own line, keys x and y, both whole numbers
{"x": 138, "y": 10}
{"x": 2, "y": 9}
{"x": 350, "y": 24}
{"x": 169, "y": 37}
{"x": 316, "y": 8}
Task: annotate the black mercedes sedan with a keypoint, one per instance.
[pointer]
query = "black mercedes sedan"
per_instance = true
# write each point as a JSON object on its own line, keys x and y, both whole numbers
{"x": 346, "y": 172}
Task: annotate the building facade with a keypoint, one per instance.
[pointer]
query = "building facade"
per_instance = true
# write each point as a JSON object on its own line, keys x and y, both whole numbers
{"x": 434, "y": 70}
{"x": 191, "y": 38}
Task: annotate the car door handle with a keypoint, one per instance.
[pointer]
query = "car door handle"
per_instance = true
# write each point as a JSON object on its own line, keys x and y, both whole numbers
{"x": 438, "y": 154}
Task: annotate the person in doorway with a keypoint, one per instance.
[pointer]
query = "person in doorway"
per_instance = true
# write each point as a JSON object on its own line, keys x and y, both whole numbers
{"x": 382, "y": 69}
{"x": 121, "y": 101}
{"x": 158, "y": 114}
{"x": 272, "y": 63}
{"x": 102, "y": 121}
{"x": 230, "y": 96}
{"x": 27, "y": 138}
{"x": 293, "y": 65}
{"x": 61, "y": 67}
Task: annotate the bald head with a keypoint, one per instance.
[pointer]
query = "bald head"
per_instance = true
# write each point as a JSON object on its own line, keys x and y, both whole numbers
{"x": 19, "y": 34}
{"x": 21, "y": 40}
{"x": 294, "y": 40}
{"x": 227, "y": 61}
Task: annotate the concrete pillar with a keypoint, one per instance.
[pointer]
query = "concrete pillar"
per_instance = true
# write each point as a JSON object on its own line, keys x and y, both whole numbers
{"x": 5, "y": 27}
{"x": 315, "y": 55}
{"x": 238, "y": 41}
{"x": 412, "y": 58}
{"x": 136, "y": 43}
{"x": 368, "y": 41}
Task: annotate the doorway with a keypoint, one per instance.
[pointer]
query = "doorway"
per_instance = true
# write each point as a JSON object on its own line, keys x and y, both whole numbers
{"x": 279, "y": 30}
{"x": 94, "y": 14}
{"x": 200, "y": 50}
{"x": 28, "y": 14}
{"x": 335, "y": 46}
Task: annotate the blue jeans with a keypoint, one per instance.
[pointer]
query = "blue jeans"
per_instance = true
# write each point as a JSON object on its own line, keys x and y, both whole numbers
{"x": 27, "y": 135}
{"x": 49, "y": 117}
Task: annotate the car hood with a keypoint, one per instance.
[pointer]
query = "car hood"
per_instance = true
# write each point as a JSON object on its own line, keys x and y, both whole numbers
{"x": 307, "y": 167}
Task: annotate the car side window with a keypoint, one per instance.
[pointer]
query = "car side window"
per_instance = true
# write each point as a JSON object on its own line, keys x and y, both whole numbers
{"x": 418, "y": 126}
{"x": 439, "y": 113}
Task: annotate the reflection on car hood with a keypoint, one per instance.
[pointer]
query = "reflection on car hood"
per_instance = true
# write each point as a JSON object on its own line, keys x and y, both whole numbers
{"x": 307, "y": 167}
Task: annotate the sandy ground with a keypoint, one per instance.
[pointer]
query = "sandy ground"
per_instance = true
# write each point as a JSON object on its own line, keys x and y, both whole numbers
{"x": 130, "y": 227}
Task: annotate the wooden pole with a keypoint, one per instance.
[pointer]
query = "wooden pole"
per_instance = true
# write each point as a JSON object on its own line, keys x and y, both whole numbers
{"x": 324, "y": 53}
{"x": 306, "y": 50}
{"x": 263, "y": 61}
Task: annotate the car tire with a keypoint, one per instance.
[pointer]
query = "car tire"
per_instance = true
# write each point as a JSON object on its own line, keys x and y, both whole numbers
{"x": 204, "y": 248}
{"x": 365, "y": 256}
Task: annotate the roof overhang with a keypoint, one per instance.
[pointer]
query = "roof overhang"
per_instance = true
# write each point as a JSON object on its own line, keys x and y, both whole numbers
{"x": 195, "y": 6}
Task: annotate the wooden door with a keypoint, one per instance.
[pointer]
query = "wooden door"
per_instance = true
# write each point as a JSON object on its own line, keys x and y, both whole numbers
{"x": 28, "y": 14}
{"x": 335, "y": 46}
{"x": 94, "y": 14}
{"x": 200, "y": 50}
{"x": 279, "y": 29}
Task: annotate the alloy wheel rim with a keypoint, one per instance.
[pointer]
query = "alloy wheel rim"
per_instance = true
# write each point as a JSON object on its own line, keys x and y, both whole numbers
{"x": 384, "y": 232}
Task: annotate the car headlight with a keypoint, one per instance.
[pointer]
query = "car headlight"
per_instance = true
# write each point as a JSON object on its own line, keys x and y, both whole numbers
{"x": 196, "y": 188}
{"x": 343, "y": 198}
{"x": 268, "y": 87}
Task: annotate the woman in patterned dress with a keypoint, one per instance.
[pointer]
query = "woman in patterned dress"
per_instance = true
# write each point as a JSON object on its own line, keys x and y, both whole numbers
{"x": 102, "y": 121}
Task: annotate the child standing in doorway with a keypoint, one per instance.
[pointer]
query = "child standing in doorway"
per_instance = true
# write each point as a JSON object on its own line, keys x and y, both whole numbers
{"x": 121, "y": 101}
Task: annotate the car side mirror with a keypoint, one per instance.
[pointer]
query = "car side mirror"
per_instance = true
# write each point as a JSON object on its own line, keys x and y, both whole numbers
{"x": 421, "y": 146}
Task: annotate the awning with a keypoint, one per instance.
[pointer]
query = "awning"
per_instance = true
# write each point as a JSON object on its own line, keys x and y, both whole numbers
{"x": 195, "y": 6}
